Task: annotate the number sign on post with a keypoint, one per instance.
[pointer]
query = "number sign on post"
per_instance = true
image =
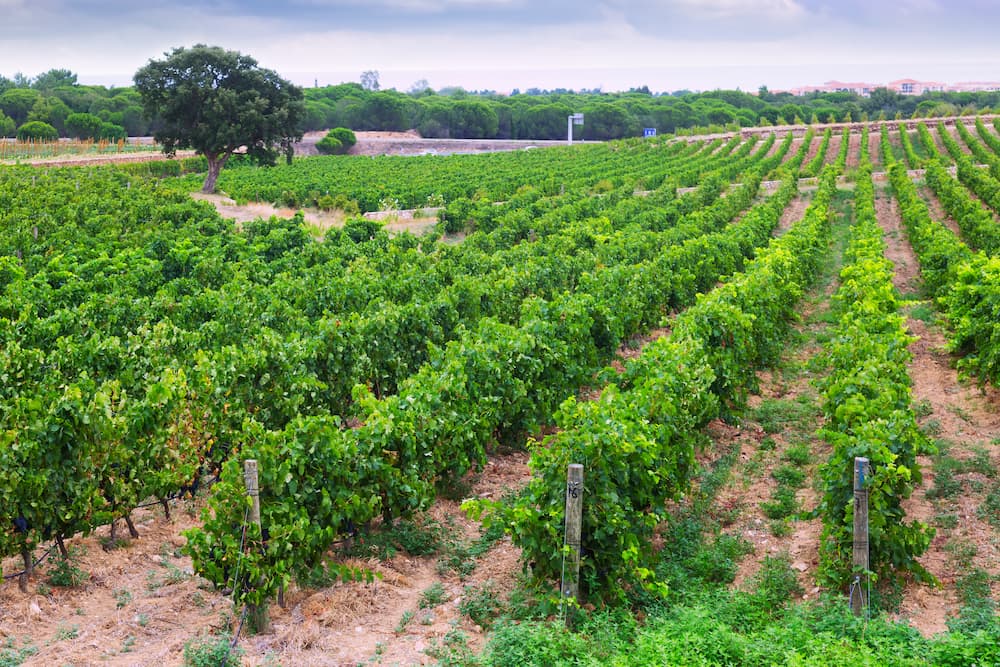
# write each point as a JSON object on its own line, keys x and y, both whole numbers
{"x": 859, "y": 590}
{"x": 574, "y": 531}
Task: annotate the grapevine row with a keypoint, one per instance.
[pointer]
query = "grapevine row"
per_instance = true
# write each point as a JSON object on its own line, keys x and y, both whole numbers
{"x": 868, "y": 408}
{"x": 498, "y": 378}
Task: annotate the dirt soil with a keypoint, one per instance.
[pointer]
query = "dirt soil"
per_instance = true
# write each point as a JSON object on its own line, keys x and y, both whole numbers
{"x": 141, "y": 602}
{"x": 411, "y": 143}
{"x": 854, "y": 149}
{"x": 965, "y": 417}
{"x": 415, "y": 221}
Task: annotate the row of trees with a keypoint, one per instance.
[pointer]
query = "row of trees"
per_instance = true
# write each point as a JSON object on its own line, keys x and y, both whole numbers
{"x": 73, "y": 110}
{"x": 457, "y": 113}
{"x": 55, "y": 98}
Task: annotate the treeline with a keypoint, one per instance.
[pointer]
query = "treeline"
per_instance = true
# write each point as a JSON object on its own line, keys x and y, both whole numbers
{"x": 455, "y": 113}
{"x": 55, "y": 99}
{"x": 53, "y": 105}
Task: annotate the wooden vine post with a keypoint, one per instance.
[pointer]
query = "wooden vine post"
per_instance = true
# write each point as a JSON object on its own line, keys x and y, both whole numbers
{"x": 572, "y": 538}
{"x": 859, "y": 587}
{"x": 260, "y": 618}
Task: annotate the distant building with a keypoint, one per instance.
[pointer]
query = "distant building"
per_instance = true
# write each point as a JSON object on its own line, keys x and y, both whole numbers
{"x": 901, "y": 86}
{"x": 975, "y": 87}
{"x": 858, "y": 88}
{"x": 914, "y": 87}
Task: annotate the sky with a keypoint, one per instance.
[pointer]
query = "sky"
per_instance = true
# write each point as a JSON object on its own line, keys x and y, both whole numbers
{"x": 501, "y": 45}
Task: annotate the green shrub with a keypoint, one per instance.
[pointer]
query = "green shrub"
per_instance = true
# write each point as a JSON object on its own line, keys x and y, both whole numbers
{"x": 345, "y": 136}
{"x": 66, "y": 571}
{"x": 112, "y": 132}
{"x": 330, "y": 146}
{"x": 7, "y": 125}
{"x": 211, "y": 652}
{"x": 337, "y": 141}
{"x": 84, "y": 125}
{"x": 36, "y": 130}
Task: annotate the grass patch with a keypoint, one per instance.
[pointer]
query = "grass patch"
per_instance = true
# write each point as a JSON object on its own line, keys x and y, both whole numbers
{"x": 481, "y": 604}
{"x": 798, "y": 454}
{"x": 433, "y": 596}
{"x": 989, "y": 510}
{"x": 419, "y": 536}
{"x": 776, "y": 415}
{"x": 66, "y": 572}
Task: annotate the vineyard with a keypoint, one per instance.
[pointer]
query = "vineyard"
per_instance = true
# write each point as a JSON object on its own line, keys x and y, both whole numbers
{"x": 714, "y": 328}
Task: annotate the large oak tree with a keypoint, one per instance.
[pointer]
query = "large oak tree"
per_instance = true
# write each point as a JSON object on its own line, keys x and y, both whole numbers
{"x": 217, "y": 102}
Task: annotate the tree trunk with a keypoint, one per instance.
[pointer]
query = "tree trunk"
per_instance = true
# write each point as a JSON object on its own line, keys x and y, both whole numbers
{"x": 215, "y": 165}
{"x": 131, "y": 527}
{"x": 29, "y": 570}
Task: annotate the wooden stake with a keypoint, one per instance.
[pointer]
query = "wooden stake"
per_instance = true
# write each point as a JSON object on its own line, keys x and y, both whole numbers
{"x": 259, "y": 616}
{"x": 859, "y": 586}
{"x": 574, "y": 531}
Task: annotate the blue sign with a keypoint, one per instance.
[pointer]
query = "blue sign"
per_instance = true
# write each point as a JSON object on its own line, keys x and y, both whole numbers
{"x": 649, "y": 131}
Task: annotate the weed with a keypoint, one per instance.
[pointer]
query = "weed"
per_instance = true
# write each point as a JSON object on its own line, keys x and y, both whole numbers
{"x": 452, "y": 651}
{"x": 978, "y": 612}
{"x": 787, "y": 475}
{"x": 433, "y": 596}
{"x": 981, "y": 462}
{"x": 963, "y": 551}
{"x": 175, "y": 575}
{"x": 924, "y": 312}
{"x": 461, "y": 556}
{"x": 768, "y": 444}
{"x": 931, "y": 428}
{"x": 198, "y": 600}
{"x": 404, "y": 620}
{"x": 420, "y": 536}
{"x": 142, "y": 620}
{"x": 778, "y": 414}
{"x": 481, "y": 604}
{"x": 945, "y": 483}
{"x": 11, "y": 655}
{"x": 946, "y": 520}
{"x": 128, "y": 644}
{"x": 109, "y": 543}
{"x": 212, "y": 652}
{"x": 990, "y": 507}
{"x": 783, "y": 504}
{"x": 798, "y": 454}
{"x": 960, "y": 412}
{"x": 64, "y": 632}
{"x": 122, "y": 597}
{"x": 66, "y": 571}
{"x": 776, "y": 583}
{"x": 780, "y": 527}
{"x": 922, "y": 408}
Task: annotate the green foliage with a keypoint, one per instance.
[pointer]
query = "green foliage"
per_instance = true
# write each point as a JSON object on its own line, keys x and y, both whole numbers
{"x": 330, "y": 145}
{"x": 212, "y": 652}
{"x": 868, "y": 405}
{"x": 35, "y": 130}
{"x": 481, "y": 604}
{"x": 84, "y": 126}
{"x": 7, "y": 125}
{"x": 433, "y": 596}
{"x": 217, "y": 101}
{"x": 65, "y": 571}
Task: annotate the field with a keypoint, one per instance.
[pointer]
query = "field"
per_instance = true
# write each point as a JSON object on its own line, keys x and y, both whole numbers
{"x": 714, "y": 327}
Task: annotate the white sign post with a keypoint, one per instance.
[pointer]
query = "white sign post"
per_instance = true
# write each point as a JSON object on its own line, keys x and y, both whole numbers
{"x": 571, "y": 120}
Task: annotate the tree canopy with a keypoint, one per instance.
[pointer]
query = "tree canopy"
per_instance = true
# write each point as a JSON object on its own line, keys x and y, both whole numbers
{"x": 218, "y": 102}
